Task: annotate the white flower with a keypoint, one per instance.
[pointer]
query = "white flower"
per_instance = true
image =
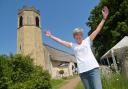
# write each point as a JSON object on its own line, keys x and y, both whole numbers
{"x": 117, "y": 79}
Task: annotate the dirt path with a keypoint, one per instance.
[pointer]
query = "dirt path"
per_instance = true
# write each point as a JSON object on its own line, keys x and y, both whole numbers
{"x": 71, "y": 84}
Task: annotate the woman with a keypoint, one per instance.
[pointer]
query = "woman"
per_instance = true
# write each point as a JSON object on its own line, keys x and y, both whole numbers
{"x": 88, "y": 67}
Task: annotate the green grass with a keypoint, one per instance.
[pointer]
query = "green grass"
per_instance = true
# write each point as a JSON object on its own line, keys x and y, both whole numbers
{"x": 56, "y": 84}
{"x": 116, "y": 82}
{"x": 79, "y": 86}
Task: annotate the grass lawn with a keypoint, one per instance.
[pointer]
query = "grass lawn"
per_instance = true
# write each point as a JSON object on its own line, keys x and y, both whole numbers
{"x": 79, "y": 86}
{"x": 56, "y": 84}
{"x": 116, "y": 82}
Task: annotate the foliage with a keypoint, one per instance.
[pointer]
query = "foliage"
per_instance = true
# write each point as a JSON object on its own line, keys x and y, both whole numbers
{"x": 5, "y": 72}
{"x": 61, "y": 72}
{"x": 115, "y": 28}
{"x": 19, "y": 72}
{"x": 116, "y": 82}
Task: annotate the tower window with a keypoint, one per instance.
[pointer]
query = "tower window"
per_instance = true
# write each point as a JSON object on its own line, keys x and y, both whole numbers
{"x": 21, "y": 21}
{"x": 20, "y": 47}
{"x": 37, "y": 21}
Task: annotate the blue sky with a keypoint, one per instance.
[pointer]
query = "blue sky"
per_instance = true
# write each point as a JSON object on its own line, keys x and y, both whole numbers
{"x": 59, "y": 16}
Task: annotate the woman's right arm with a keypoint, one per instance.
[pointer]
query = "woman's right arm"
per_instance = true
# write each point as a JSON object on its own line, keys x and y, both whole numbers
{"x": 62, "y": 42}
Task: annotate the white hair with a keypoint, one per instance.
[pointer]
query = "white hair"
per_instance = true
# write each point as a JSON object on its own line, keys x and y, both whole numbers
{"x": 77, "y": 31}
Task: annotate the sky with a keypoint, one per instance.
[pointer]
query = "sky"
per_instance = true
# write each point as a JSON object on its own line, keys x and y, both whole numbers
{"x": 58, "y": 16}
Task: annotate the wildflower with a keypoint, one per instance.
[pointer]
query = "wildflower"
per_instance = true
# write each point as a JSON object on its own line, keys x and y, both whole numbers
{"x": 117, "y": 79}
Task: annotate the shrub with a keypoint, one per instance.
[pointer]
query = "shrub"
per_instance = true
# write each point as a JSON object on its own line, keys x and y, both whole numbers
{"x": 5, "y": 72}
{"x": 61, "y": 72}
{"x": 19, "y": 72}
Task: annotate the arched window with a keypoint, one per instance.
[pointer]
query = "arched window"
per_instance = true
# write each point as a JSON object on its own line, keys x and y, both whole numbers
{"x": 20, "y": 47}
{"x": 37, "y": 21}
{"x": 21, "y": 21}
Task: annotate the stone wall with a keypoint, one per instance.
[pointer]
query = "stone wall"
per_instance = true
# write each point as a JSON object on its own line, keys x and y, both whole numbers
{"x": 122, "y": 58}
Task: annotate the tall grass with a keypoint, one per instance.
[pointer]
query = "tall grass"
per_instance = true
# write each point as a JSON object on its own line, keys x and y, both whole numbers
{"x": 115, "y": 82}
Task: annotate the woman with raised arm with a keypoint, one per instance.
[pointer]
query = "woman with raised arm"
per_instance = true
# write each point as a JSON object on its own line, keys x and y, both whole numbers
{"x": 88, "y": 67}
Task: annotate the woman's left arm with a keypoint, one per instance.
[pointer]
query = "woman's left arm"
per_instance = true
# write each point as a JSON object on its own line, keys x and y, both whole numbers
{"x": 105, "y": 13}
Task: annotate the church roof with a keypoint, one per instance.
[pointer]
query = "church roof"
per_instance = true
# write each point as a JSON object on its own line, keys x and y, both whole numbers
{"x": 26, "y": 8}
{"x": 59, "y": 55}
{"x": 122, "y": 43}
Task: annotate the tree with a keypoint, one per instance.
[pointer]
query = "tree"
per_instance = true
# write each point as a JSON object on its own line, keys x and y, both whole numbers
{"x": 115, "y": 28}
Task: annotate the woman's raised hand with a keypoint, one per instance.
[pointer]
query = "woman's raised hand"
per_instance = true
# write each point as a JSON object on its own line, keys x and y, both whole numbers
{"x": 48, "y": 33}
{"x": 105, "y": 12}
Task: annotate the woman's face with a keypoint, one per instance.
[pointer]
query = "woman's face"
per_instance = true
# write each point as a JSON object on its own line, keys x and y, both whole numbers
{"x": 78, "y": 38}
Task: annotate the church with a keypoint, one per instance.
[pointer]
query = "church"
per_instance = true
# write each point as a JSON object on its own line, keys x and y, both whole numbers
{"x": 29, "y": 42}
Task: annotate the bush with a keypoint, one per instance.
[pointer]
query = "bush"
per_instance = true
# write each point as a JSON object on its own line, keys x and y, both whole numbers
{"x": 19, "y": 72}
{"x": 5, "y": 72}
{"x": 61, "y": 72}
